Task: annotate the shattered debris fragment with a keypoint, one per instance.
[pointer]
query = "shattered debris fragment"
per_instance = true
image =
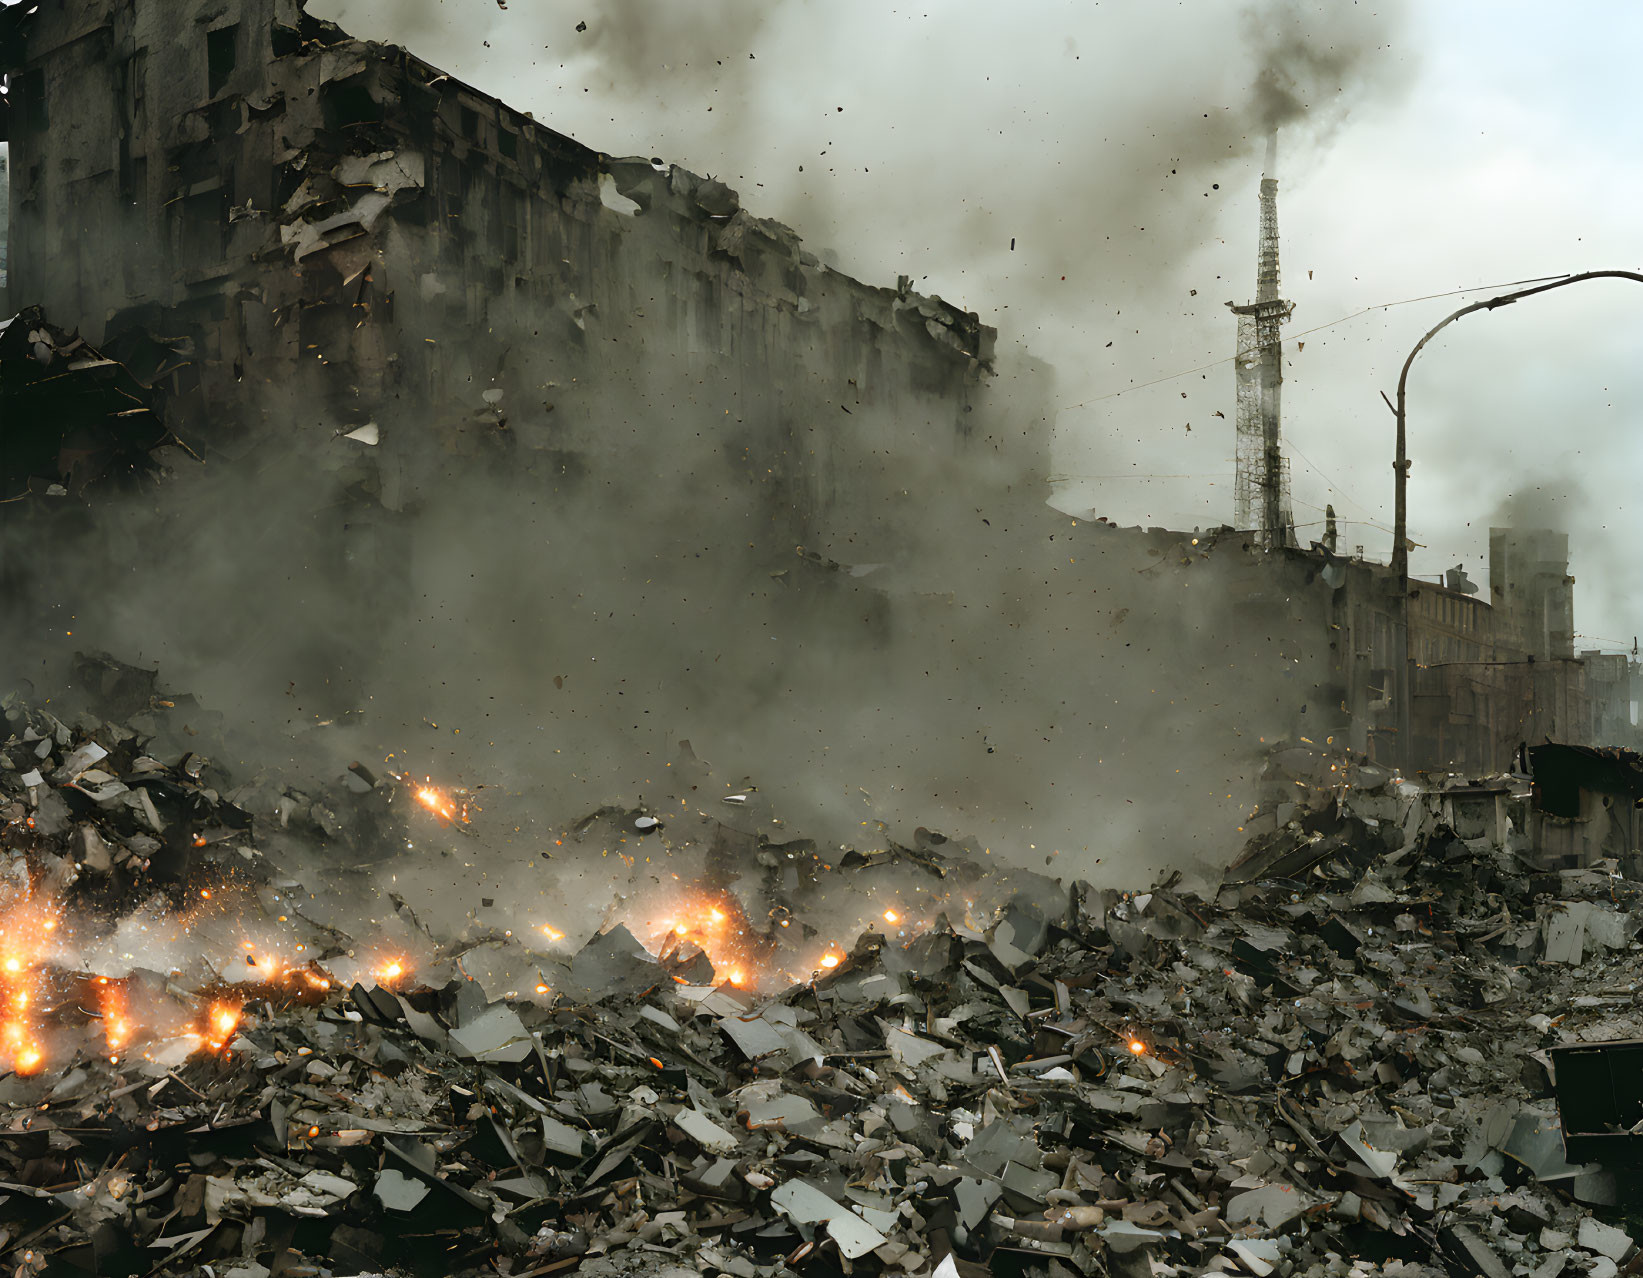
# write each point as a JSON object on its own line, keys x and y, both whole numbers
{"x": 1351, "y": 1062}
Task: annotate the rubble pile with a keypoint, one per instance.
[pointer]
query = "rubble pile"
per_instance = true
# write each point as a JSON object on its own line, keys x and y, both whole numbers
{"x": 75, "y": 415}
{"x": 1346, "y": 1070}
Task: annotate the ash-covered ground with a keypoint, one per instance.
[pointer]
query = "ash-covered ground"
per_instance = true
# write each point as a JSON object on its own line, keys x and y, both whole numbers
{"x": 704, "y": 1044}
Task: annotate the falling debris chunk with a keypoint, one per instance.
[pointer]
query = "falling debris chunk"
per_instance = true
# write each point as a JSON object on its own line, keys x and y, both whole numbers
{"x": 367, "y": 434}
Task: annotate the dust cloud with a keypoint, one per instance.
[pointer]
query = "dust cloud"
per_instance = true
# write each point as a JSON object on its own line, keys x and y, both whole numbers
{"x": 940, "y": 650}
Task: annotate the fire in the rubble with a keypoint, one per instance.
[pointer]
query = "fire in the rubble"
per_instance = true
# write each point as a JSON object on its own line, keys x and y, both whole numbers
{"x": 222, "y": 1018}
{"x": 114, "y": 1008}
{"x": 712, "y": 920}
{"x": 26, "y": 927}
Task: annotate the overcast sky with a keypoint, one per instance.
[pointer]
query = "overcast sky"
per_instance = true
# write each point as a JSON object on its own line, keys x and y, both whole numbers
{"x": 1437, "y": 146}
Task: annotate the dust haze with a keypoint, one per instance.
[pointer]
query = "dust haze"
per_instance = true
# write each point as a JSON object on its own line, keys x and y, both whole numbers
{"x": 947, "y": 652}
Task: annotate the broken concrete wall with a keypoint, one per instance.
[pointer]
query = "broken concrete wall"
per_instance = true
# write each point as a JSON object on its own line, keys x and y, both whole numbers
{"x": 336, "y": 223}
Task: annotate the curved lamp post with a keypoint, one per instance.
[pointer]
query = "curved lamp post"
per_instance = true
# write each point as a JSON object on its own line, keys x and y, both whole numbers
{"x": 1400, "y": 467}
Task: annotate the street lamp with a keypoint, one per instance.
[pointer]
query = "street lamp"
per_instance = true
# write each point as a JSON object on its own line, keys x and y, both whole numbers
{"x": 1400, "y": 469}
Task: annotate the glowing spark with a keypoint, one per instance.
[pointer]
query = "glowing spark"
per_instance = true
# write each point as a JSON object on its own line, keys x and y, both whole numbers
{"x": 830, "y": 960}
{"x": 552, "y": 933}
{"x": 1138, "y": 1047}
{"x": 29, "y": 1060}
{"x": 738, "y": 976}
{"x": 890, "y": 916}
{"x": 14, "y": 965}
{"x": 392, "y": 970}
{"x": 116, "y": 1022}
{"x": 440, "y": 804}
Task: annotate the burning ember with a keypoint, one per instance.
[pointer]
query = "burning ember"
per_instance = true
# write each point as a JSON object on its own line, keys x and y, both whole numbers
{"x": 24, "y": 928}
{"x": 712, "y": 921}
{"x": 221, "y": 1020}
{"x": 117, "y": 1025}
{"x": 443, "y": 804}
{"x": 388, "y": 971}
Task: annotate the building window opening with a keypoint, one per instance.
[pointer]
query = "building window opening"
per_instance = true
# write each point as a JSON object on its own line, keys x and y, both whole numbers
{"x": 29, "y": 98}
{"x": 221, "y": 53}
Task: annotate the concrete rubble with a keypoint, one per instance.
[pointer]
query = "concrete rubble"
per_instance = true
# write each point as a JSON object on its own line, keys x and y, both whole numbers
{"x": 75, "y": 414}
{"x": 1338, "y": 1067}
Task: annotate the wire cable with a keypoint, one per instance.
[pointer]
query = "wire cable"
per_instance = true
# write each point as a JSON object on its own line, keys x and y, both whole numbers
{"x": 1379, "y": 306}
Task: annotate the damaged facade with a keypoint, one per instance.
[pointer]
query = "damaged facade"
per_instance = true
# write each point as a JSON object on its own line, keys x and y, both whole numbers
{"x": 330, "y": 221}
{"x": 1486, "y": 677}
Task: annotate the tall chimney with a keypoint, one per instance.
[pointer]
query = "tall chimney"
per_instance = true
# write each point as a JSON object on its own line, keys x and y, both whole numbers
{"x": 1261, "y": 484}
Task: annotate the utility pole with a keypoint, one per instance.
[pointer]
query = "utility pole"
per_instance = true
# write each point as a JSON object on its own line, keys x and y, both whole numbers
{"x": 1400, "y": 470}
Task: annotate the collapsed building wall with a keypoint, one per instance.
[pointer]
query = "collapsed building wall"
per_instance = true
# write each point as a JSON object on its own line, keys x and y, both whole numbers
{"x": 337, "y": 223}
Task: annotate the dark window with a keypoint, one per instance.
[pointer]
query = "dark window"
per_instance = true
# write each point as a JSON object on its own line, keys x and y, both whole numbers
{"x": 205, "y": 225}
{"x": 450, "y": 199}
{"x": 510, "y": 224}
{"x": 285, "y": 41}
{"x": 31, "y": 89}
{"x": 349, "y": 104}
{"x": 470, "y": 123}
{"x": 221, "y": 53}
{"x": 139, "y": 87}
{"x": 508, "y": 144}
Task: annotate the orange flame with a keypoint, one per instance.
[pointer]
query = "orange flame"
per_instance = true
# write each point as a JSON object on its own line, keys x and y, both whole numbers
{"x": 712, "y": 921}
{"x": 388, "y": 971}
{"x": 441, "y": 804}
{"x": 24, "y": 927}
{"x": 117, "y": 1024}
{"x": 222, "y": 1018}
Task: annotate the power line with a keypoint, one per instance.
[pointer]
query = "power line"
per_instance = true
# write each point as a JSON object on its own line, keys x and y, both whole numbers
{"x": 1208, "y": 474}
{"x": 1379, "y": 306}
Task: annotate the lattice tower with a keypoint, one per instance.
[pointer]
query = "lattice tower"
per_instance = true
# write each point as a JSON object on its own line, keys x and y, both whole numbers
{"x": 1261, "y": 473}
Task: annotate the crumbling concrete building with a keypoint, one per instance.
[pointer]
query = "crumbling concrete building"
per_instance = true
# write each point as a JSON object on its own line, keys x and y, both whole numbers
{"x": 336, "y": 222}
{"x": 1485, "y": 677}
